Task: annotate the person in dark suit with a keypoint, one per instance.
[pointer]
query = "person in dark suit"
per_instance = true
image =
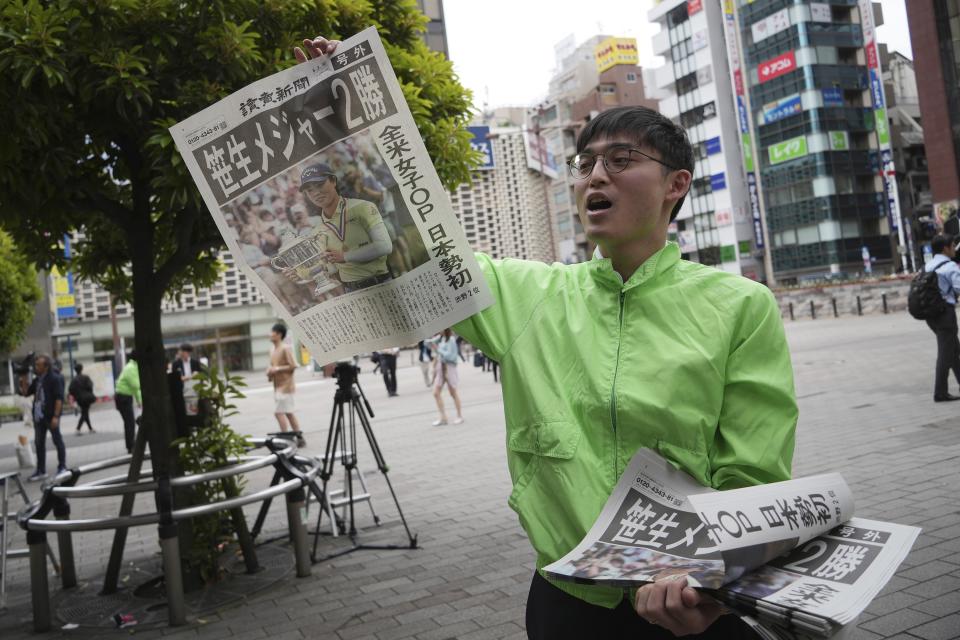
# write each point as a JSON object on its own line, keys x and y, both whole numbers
{"x": 81, "y": 388}
{"x": 181, "y": 372}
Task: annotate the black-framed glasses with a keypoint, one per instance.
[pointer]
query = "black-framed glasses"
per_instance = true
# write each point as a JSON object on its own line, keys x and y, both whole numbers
{"x": 615, "y": 160}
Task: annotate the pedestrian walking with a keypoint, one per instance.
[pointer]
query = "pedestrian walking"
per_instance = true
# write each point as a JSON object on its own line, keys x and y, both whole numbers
{"x": 425, "y": 359}
{"x": 282, "y": 367}
{"x": 388, "y": 367}
{"x": 448, "y": 354}
{"x": 81, "y": 388}
{"x": 944, "y": 326}
{"x": 126, "y": 390}
{"x": 47, "y": 391}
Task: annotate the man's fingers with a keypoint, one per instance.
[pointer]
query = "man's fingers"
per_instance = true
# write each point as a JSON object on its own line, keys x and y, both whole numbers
{"x": 300, "y": 55}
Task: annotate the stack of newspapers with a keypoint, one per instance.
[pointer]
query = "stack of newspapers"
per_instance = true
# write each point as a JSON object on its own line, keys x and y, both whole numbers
{"x": 789, "y": 557}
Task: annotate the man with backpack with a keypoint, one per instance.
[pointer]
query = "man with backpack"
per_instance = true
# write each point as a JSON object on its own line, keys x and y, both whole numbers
{"x": 944, "y": 323}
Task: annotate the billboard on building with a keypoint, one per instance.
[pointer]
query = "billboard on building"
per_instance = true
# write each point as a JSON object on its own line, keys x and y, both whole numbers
{"x": 832, "y": 97}
{"x": 771, "y": 25}
{"x": 780, "y": 109}
{"x": 63, "y": 298}
{"x": 733, "y": 56}
{"x": 787, "y": 150}
{"x": 481, "y": 142}
{"x": 614, "y": 51}
{"x": 539, "y": 156}
{"x": 887, "y": 169}
{"x": 776, "y": 67}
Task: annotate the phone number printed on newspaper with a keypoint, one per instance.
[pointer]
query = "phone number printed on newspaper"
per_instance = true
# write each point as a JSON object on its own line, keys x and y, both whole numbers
{"x": 330, "y": 111}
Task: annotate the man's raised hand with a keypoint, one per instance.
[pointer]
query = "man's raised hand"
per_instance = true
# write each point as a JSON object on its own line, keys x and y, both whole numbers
{"x": 312, "y": 48}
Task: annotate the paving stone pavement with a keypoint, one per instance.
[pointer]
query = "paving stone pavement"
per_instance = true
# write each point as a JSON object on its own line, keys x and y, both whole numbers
{"x": 865, "y": 393}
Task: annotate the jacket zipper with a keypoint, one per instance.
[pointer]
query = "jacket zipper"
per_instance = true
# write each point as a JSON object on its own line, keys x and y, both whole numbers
{"x": 613, "y": 390}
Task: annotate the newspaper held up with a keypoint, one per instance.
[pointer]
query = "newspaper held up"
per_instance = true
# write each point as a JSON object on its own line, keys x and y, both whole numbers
{"x": 788, "y": 555}
{"x": 325, "y": 196}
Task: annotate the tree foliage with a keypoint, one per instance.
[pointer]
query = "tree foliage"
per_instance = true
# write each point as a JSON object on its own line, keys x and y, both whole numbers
{"x": 19, "y": 292}
{"x": 96, "y": 84}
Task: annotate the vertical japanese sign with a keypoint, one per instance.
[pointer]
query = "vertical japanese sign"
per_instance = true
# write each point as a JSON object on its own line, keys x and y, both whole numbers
{"x": 887, "y": 168}
{"x": 64, "y": 300}
{"x": 746, "y": 142}
{"x": 324, "y": 193}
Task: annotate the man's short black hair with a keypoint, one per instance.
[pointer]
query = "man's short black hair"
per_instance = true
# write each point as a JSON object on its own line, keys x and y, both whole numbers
{"x": 281, "y": 329}
{"x": 186, "y": 346}
{"x": 941, "y": 242}
{"x": 78, "y": 368}
{"x": 651, "y": 129}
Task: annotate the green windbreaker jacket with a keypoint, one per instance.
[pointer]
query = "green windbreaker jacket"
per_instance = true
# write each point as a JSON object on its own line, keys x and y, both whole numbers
{"x": 683, "y": 359}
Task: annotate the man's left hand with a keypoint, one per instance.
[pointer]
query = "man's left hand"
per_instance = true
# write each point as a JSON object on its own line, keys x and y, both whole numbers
{"x": 679, "y": 609}
{"x": 332, "y": 255}
{"x": 55, "y": 422}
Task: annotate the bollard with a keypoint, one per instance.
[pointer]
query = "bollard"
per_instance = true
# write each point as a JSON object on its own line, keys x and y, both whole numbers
{"x": 39, "y": 589}
{"x": 813, "y": 311}
{"x": 298, "y": 531}
{"x": 833, "y": 301}
{"x": 884, "y": 298}
{"x": 859, "y": 307}
{"x": 791, "y": 311}
{"x": 68, "y": 571}
{"x": 172, "y": 574}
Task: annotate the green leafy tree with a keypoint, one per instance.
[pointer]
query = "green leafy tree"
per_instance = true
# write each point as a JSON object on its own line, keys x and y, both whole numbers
{"x": 20, "y": 293}
{"x": 95, "y": 85}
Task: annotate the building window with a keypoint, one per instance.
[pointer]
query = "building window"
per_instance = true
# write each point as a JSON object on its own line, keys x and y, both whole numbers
{"x": 631, "y": 77}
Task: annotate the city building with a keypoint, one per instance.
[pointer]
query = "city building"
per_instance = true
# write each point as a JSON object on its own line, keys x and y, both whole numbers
{"x": 596, "y": 75}
{"x": 936, "y": 24}
{"x": 503, "y": 209}
{"x": 719, "y": 223}
{"x": 816, "y": 98}
{"x": 436, "y": 34}
{"x": 797, "y": 86}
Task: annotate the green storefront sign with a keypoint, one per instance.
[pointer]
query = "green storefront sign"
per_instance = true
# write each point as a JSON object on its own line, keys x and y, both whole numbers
{"x": 839, "y": 140}
{"x": 883, "y": 132}
{"x": 747, "y": 152}
{"x": 788, "y": 150}
{"x": 728, "y": 253}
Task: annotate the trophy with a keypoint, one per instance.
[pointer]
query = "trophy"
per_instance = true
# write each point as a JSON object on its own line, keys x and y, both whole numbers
{"x": 305, "y": 257}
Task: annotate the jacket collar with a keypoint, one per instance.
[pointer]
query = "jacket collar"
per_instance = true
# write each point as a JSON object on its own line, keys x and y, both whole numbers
{"x": 602, "y": 268}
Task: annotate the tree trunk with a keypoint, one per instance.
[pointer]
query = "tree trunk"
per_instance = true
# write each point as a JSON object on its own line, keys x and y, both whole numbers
{"x": 158, "y": 416}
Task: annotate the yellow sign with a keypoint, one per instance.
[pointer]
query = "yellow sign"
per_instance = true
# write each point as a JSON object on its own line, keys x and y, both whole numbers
{"x": 614, "y": 51}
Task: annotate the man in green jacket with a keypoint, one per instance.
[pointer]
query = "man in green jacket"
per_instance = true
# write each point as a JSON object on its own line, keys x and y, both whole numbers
{"x": 126, "y": 389}
{"x": 635, "y": 348}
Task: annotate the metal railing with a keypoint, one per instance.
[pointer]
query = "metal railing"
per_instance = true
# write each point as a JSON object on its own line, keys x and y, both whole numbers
{"x": 297, "y": 472}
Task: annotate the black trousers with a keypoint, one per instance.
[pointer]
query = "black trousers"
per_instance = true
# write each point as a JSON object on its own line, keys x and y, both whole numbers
{"x": 84, "y": 417}
{"x": 553, "y": 614}
{"x": 388, "y": 367}
{"x": 125, "y": 407}
{"x": 40, "y": 441}
{"x": 948, "y": 350}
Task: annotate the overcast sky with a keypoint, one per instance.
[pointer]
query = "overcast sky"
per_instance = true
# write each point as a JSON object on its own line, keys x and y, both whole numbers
{"x": 503, "y": 49}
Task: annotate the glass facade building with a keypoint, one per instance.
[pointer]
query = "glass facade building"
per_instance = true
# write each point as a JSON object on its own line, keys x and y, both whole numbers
{"x": 809, "y": 85}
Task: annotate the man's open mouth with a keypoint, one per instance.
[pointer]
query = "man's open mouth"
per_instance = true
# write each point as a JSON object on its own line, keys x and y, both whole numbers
{"x": 598, "y": 203}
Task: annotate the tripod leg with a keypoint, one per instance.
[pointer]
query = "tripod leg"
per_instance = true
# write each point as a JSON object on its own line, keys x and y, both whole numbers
{"x": 333, "y": 437}
{"x": 382, "y": 465}
{"x": 264, "y": 508}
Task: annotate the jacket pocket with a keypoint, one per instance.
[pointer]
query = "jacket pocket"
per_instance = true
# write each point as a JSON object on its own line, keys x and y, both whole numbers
{"x": 534, "y": 445}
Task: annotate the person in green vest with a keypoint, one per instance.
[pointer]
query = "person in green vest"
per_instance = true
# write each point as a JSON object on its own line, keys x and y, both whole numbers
{"x": 126, "y": 391}
{"x": 635, "y": 348}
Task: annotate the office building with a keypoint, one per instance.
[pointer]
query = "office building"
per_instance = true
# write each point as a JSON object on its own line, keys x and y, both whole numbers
{"x": 935, "y": 32}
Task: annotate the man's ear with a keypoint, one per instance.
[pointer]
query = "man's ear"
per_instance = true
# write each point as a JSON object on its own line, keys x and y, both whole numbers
{"x": 678, "y": 185}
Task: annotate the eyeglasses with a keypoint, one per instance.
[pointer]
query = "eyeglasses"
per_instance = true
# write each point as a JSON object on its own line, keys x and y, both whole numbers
{"x": 615, "y": 160}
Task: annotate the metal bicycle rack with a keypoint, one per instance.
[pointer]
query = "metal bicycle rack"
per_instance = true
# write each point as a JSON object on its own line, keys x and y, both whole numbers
{"x": 296, "y": 472}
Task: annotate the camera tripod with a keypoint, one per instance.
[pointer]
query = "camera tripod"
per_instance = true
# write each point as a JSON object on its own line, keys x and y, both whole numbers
{"x": 342, "y": 443}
